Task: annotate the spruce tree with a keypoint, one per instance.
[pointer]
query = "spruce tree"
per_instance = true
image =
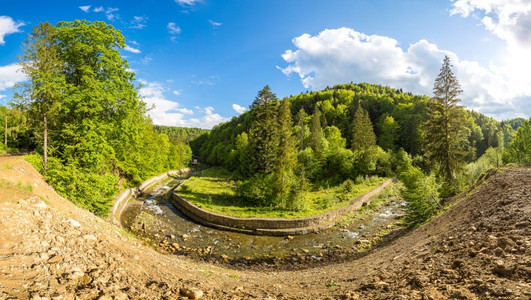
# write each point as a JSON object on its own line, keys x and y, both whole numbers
{"x": 263, "y": 138}
{"x": 444, "y": 130}
{"x": 286, "y": 154}
{"x": 363, "y": 136}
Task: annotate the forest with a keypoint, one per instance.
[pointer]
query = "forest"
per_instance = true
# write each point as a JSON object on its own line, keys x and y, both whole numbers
{"x": 81, "y": 116}
{"x": 345, "y": 133}
{"x": 80, "y": 113}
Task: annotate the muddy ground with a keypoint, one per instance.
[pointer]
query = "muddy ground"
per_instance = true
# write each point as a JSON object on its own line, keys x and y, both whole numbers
{"x": 50, "y": 249}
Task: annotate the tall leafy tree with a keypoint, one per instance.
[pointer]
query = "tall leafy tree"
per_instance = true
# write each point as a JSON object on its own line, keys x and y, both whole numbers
{"x": 388, "y": 129}
{"x": 519, "y": 149}
{"x": 362, "y": 131}
{"x": 263, "y": 137}
{"x": 44, "y": 68}
{"x": 444, "y": 131}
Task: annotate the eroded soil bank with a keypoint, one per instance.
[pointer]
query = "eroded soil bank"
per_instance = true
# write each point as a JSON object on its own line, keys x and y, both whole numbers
{"x": 479, "y": 249}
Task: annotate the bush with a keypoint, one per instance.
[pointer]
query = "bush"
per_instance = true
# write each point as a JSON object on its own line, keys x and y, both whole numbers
{"x": 421, "y": 193}
{"x": 257, "y": 190}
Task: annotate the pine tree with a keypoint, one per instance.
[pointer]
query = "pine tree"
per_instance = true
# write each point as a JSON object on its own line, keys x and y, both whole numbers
{"x": 363, "y": 136}
{"x": 263, "y": 136}
{"x": 444, "y": 135}
{"x": 287, "y": 150}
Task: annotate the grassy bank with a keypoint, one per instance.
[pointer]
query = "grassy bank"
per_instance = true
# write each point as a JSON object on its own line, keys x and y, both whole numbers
{"x": 213, "y": 190}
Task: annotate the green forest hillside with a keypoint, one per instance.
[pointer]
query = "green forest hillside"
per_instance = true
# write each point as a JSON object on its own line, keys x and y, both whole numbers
{"x": 396, "y": 118}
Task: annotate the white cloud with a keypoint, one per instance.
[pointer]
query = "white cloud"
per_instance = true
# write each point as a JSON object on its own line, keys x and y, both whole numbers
{"x": 186, "y": 111}
{"x": 167, "y": 112}
{"x": 8, "y": 26}
{"x": 10, "y": 75}
{"x": 131, "y": 49}
{"x": 138, "y": 22}
{"x": 215, "y": 24}
{"x": 239, "y": 109}
{"x": 99, "y": 9}
{"x": 85, "y": 8}
{"x": 187, "y": 2}
{"x": 111, "y": 16}
{"x": 344, "y": 55}
{"x": 176, "y": 93}
{"x": 2, "y": 96}
{"x": 147, "y": 59}
{"x": 173, "y": 29}
{"x": 510, "y": 20}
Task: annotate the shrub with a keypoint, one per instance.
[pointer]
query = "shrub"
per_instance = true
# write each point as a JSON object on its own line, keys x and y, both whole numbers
{"x": 421, "y": 195}
{"x": 257, "y": 190}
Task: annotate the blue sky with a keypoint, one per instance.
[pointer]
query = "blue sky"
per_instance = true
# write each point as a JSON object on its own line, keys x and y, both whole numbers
{"x": 202, "y": 62}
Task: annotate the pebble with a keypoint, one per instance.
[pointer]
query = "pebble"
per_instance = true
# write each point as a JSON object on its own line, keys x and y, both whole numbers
{"x": 191, "y": 293}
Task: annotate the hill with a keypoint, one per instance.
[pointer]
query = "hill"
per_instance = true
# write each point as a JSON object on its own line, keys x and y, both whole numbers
{"x": 479, "y": 248}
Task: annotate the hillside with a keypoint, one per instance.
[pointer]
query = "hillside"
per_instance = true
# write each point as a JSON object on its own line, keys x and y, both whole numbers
{"x": 479, "y": 248}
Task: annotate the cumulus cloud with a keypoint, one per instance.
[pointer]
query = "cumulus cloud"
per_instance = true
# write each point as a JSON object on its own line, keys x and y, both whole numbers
{"x": 85, "y": 8}
{"x": 239, "y": 109}
{"x": 215, "y": 24}
{"x": 167, "y": 112}
{"x": 344, "y": 55}
{"x": 10, "y": 75}
{"x": 99, "y": 9}
{"x": 173, "y": 28}
{"x": 8, "y": 26}
{"x": 131, "y": 49}
{"x": 510, "y": 20}
{"x": 176, "y": 93}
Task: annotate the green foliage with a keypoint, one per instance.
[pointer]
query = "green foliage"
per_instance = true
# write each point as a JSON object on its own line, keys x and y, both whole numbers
{"x": 491, "y": 158}
{"x": 421, "y": 194}
{"x": 258, "y": 191}
{"x": 82, "y": 91}
{"x": 362, "y": 131}
{"x": 180, "y": 134}
{"x": 519, "y": 149}
{"x": 263, "y": 137}
{"x": 445, "y": 137}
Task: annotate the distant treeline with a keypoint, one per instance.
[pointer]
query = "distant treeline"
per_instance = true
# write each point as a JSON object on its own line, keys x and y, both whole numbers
{"x": 180, "y": 134}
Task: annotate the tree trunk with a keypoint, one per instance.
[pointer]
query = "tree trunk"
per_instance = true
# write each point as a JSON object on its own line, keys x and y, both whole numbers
{"x": 45, "y": 146}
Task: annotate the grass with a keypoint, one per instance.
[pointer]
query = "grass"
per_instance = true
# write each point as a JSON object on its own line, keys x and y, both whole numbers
{"x": 213, "y": 190}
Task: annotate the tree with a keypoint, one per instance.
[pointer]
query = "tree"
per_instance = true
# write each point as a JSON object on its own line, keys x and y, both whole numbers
{"x": 444, "y": 130}
{"x": 388, "y": 129}
{"x": 519, "y": 149}
{"x": 316, "y": 134}
{"x": 263, "y": 137}
{"x": 287, "y": 151}
{"x": 362, "y": 131}
{"x": 43, "y": 66}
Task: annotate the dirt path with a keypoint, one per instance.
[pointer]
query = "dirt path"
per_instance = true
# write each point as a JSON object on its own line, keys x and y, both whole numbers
{"x": 480, "y": 248}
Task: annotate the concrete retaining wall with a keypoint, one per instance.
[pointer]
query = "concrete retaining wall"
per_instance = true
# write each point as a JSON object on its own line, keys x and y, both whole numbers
{"x": 120, "y": 202}
{"x": 271, "y": 226}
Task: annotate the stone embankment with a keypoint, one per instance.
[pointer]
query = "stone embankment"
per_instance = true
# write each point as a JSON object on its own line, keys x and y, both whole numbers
{"x": 272, "y": 226}
{"x": 121, "y": 200}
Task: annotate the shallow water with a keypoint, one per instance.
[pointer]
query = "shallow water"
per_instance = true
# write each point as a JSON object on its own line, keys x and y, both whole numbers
{"x": 166, "y": 223}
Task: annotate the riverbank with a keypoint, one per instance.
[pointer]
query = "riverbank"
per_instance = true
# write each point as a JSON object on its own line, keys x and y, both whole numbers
{"x": 477, "y": 249}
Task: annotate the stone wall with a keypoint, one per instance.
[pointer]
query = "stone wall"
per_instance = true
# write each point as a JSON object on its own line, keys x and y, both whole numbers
{"x": 271, "y": 226}
{"x": 120, "y": 202}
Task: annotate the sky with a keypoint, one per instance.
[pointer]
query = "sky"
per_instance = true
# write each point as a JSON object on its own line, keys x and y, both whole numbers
{"x": 200, "y": 62}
